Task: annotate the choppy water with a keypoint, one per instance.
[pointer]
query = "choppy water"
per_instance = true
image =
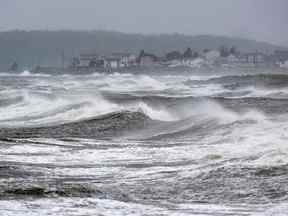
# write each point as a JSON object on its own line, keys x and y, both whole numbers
{"x": 124, "y": 144}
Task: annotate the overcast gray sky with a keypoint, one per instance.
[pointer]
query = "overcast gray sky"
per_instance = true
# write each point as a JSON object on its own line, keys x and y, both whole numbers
{"x": 265, "y": 20}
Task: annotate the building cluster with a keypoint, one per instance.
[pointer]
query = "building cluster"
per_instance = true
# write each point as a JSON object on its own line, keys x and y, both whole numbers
{"x": 230, "y": 57}
{"x": 220, "y": 57}
{"x": 115, "y": 60}
{"x": 276, "y": 59}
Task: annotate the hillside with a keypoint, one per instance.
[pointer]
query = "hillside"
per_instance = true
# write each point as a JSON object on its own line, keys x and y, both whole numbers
{"x": 31, "y": 48}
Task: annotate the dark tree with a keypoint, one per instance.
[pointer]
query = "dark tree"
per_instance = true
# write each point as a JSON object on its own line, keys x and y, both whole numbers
{"x": 224, "y": 51}
{"x": 141, "y": 54}
{"x": 195, "y": 55}
{"x": 173, "y": 55}
{"x": 75, "y": 62}
{"x": 13, "y": 67}
{"x": 188, "y": 53}
{"x": 92, "y": 64}
{"x": 233, "y": 50}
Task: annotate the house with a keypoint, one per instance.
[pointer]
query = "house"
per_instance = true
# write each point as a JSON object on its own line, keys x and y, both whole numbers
{"x": 112, "y": 62}
{"x": 115, "y": 60}
{"x": 91, "y": 60}
{"x": 97, "y": 63}
{"x": 254, "y": 58}
{"x": 126, "y": 59}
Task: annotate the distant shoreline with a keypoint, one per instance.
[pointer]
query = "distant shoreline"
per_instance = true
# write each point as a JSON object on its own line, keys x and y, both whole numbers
{"x": 159, "y": 70}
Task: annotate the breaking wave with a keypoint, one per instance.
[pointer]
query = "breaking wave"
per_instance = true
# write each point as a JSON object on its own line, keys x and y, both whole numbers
{"x": 170, "y": 140}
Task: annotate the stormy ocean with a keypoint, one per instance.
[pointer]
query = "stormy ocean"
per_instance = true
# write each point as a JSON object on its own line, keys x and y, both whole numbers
{"x": 154, "y": 144}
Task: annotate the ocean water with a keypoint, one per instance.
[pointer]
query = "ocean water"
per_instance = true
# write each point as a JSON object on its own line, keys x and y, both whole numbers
{"x": 144, "y": 144}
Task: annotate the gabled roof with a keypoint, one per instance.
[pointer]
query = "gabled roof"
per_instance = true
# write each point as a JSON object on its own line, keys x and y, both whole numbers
{"x": 121, "y": 54}
{"x": 89, "y": 55}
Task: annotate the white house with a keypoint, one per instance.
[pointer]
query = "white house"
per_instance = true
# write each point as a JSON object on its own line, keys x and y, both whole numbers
{"x": 112, "y": 62}
{"x": 116, "y": 60}
{"x": 255, "y": 58}
{"x": 125, "y": 59}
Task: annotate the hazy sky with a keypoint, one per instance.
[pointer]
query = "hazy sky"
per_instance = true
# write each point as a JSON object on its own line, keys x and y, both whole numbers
{"x": 265, "y": 20}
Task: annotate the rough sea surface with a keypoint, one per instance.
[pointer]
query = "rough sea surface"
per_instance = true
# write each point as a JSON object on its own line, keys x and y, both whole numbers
{"x": 179, "y": 143}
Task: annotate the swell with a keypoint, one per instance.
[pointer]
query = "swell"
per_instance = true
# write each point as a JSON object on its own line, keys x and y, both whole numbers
{"x": 187, "y": 116}
{"x": 222, "y": 185}
{"x": 264, "y": 80}
{"x": 110, "y": 125}
{"x": 264, "y": 104}
{"x": 157, "y": 99}
{"x": 192, "y": 128}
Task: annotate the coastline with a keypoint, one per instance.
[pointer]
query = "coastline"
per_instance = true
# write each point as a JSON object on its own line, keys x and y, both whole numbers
{"x": 156, "y": 70}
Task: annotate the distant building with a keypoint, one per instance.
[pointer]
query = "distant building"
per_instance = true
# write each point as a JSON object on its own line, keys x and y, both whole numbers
{"x": 112, "y": 62}
{"x": 254, "y": 58}
{"x": 281, "y": 56}
{"x": 115, "y": 60}
{"x": 125, "y": 59}
{"x": 97, "y": 63}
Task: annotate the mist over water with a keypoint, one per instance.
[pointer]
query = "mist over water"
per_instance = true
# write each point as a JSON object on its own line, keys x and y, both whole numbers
{"x": 179, "y": 143}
